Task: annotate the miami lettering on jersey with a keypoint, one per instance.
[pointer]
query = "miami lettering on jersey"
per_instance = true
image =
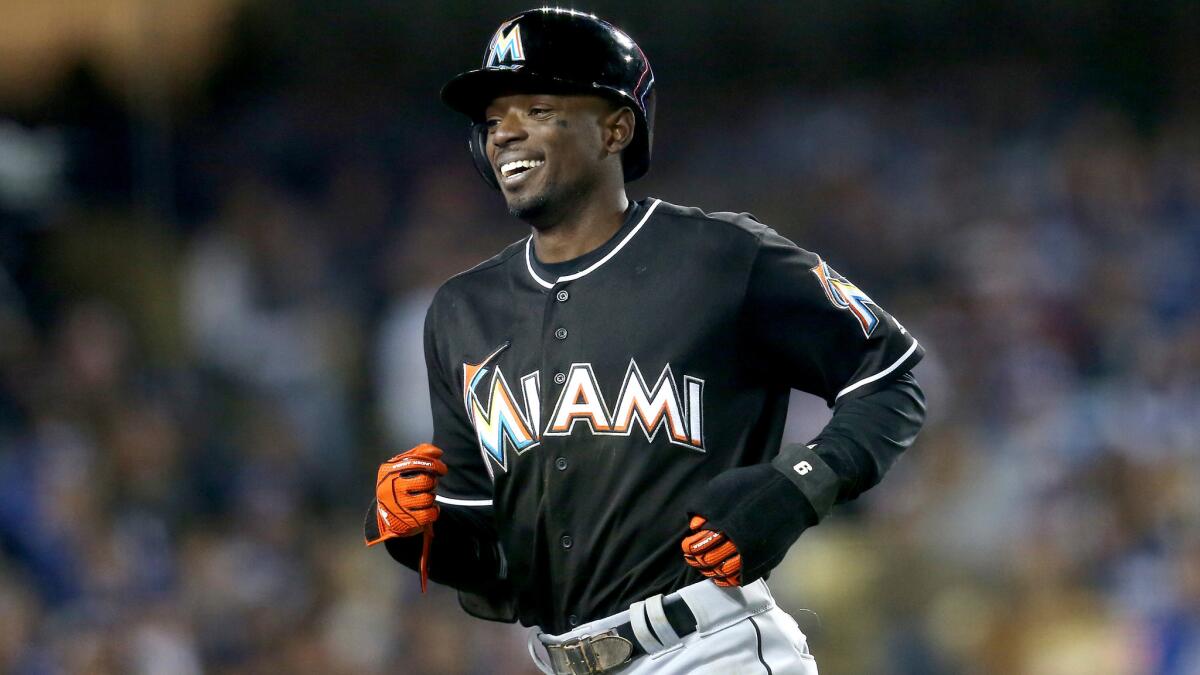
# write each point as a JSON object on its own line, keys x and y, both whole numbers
{"x": 845, "y": 295}
{"x": 501, "y": 424}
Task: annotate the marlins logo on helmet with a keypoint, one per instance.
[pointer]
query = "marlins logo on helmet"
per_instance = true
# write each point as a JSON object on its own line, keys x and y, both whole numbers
{"x": 506, "y": 47}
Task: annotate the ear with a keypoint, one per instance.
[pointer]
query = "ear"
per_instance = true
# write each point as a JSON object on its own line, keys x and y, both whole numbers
{"x": 619, "y": 127}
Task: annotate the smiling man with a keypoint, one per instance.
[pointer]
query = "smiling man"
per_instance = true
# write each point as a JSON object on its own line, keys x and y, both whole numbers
{"x": 609, "y": 393}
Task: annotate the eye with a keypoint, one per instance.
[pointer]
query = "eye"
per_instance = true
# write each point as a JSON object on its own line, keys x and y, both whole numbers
{"x": 491, "y": 123}
{"x": 539, "y": 112}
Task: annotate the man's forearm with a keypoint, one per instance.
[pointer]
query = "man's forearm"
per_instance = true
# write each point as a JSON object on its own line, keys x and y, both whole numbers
{"x": 464, "y": 553}
{"x": 867, "y": 434}
{"x": 764, "y": 508}
{"x": 858, "y": 445}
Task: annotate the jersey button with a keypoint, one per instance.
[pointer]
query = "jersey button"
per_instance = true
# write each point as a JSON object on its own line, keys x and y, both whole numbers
{"x": 563, "y": 296}
{"x": 559, "y": 378}
{"x": 566, "y": 541}
{"x": 561, "y": 463}
{"x": 561, "y": 333}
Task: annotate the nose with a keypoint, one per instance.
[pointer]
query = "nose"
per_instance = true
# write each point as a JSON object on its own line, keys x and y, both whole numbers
{"x": 507, "y": 130}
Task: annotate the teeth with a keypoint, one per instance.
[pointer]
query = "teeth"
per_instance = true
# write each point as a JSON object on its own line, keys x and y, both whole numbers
{"x": 509, "y": 168}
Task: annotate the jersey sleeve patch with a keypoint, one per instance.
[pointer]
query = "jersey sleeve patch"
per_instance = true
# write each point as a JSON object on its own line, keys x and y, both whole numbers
{"x": 846, "y": 296}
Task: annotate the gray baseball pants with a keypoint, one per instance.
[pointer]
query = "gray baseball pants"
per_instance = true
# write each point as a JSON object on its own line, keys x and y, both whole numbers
{"x": 738, "y": 631}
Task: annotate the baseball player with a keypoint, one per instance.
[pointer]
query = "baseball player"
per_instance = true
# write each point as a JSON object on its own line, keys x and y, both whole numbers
{"x": 609, "y": 393}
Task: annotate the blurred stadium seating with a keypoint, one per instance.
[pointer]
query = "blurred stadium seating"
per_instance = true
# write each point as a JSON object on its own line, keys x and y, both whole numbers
{"x": 220, "y": 227}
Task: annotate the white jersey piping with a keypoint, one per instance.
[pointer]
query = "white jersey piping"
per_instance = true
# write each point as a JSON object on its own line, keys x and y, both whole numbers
{"x": 462, "y": 502}
{"x": 882, "y": 373}
{"x": 571, "y": 277}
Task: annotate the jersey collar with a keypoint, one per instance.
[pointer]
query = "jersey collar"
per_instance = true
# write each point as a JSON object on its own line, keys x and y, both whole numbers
{"x": 543, "y": 281}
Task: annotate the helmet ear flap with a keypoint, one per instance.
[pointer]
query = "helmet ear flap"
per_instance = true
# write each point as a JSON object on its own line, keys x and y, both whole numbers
{"x": 477, "y": 142}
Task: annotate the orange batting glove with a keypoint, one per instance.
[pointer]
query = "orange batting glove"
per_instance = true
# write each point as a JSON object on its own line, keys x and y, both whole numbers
{"x": 713, "y": 554}
{"x": 404, "y": 493}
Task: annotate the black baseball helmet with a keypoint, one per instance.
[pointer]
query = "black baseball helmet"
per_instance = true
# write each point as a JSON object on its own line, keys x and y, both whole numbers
{"x": 551, "y": 50}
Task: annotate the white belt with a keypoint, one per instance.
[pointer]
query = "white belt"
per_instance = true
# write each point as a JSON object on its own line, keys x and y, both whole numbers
{"x": 596, "y": 647}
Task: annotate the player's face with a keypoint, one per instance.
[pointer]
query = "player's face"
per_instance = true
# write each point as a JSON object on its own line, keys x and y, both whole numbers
{"x": 548, "y": 149}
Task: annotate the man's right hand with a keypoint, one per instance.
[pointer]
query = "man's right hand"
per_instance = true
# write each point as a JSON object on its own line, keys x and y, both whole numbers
{"x": 404, "y": 493}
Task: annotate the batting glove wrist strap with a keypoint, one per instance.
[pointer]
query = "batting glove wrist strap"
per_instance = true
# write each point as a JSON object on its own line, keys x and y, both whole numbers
{"x": 809, "y": 472}
{"x": 759, "y": 510}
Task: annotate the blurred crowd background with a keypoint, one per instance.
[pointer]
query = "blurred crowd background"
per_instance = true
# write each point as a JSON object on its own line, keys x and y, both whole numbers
{"x": 221, "y": 222}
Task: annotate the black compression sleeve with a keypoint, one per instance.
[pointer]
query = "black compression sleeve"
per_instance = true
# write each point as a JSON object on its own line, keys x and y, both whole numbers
{"x": 858, "y": 446}
{"x": 759, "y": 508}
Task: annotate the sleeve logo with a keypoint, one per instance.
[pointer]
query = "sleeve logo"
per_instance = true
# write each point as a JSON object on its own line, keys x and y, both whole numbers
{"x": 845, "y": 295}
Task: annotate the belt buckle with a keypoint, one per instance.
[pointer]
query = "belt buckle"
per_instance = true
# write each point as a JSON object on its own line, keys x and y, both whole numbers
{"x": 578, "y": 659}
{"x": 594, "y": 654}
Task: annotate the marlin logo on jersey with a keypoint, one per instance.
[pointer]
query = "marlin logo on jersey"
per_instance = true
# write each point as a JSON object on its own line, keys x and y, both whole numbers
{"x": 501, "y": 424}
{"x": 506, "y": 47}
{"x": 845, "y": 295}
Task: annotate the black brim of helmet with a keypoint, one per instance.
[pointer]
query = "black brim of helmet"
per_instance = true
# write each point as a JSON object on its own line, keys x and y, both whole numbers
{"x": 471, "y": 92}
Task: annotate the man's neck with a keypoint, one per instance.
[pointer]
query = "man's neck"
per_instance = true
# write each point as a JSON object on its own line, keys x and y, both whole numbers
{"x": 581, "y": 230}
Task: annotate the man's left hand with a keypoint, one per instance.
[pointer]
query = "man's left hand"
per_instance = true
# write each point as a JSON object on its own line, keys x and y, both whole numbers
{"x": 713, "y": 554}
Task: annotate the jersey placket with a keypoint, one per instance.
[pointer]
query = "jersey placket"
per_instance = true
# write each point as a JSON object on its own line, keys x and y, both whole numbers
{"x": 557, "y": 357}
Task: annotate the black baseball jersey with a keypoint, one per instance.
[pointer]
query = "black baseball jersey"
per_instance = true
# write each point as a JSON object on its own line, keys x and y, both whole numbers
{"x": 582, "y": 404}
